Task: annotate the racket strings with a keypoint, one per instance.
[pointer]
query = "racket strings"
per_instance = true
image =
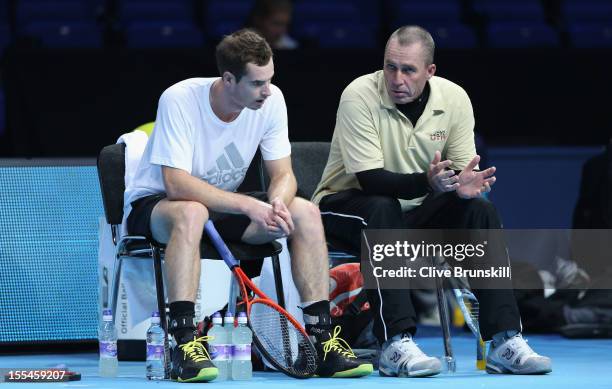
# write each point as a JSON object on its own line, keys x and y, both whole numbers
{"x": 474, "y": 310}
{"x": 470, "y": 306}
{"x": 282, "y": 340}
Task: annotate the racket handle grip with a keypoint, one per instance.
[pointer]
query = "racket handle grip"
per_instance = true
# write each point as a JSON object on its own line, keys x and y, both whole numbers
{"x": 481, "y": 354}
{"x": 220, "y": 245}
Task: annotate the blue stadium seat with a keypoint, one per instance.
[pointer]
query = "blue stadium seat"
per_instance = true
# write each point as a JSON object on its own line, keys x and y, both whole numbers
{"x": 452, "y": 35}
{"x": 347, "y": 36}
{"x": 155, "y": 10}
{"x": 163, "y": 34}
{"x": 441, "y": 18}
{"x": 57, "y": 34}
{"x": 521, "y": 34}
{"x": 29, "y": 11}
{"x": 222, "y": 17}
{"x": 4, "y": 11}
{"x": 363, "y": 12}
{"x": 340, "y": 23}
{"x": 325, "y": 11}
{"x": 510, "y": 10}
{"x": 62, "y": 23}
{"x": 222, "y": 28}
{"x": 5, "y": 37}
{"x": 337, "y": 35}
{"x": 4, "y": 25}
{"x": 591, "y": 35}
{"x": 424, "y": 12}
{"x": 588, "y": 10}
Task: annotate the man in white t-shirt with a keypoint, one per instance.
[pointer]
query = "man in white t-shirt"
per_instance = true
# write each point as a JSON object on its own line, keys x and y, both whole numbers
{"x": 206, "y": 134}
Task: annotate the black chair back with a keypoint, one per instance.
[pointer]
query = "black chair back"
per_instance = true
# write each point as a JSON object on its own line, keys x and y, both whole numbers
{"x": 111, "y": 172}
{"x": 309, "y": 160}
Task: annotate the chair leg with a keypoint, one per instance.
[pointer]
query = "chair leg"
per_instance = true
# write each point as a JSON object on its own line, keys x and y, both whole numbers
{"x": 278, "y": 281}
{"x": 444, "y": 322}
{"x": 161, "y": 306}
{"x": 159, "y": 288}
{"x": 115, "y": 284}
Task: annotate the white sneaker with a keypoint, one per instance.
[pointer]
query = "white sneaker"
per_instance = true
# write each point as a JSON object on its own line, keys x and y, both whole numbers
{"x": 401, "y": 357}
{"x": 514, "y": 356}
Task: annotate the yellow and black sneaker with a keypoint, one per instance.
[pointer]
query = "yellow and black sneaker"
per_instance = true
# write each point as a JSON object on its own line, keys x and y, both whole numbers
{"x": 336, "y": 359}
{"x": 191, "y": 362}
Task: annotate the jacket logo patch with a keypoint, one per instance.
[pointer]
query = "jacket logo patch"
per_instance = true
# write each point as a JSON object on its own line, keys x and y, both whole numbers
{"x": 438, "y": 136}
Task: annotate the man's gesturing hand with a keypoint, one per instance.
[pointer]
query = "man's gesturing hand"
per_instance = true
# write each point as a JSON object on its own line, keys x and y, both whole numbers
{"x": 471, "y": 183}
{"x": 440, "y": 179}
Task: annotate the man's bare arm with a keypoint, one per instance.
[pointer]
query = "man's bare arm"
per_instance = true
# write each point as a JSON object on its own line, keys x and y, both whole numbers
{"x": 281, "y": 192}
{"x": 282, "y": 180}
{"x": 181, "y": 185}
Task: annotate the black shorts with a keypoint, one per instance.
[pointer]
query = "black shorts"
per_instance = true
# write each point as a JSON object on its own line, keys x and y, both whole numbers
{"x": 230, "y": 226}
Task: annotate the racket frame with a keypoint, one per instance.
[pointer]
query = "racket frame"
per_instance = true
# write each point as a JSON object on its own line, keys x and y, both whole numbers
{"x": 243, "y": 282}
{"x": 472, "y": 323}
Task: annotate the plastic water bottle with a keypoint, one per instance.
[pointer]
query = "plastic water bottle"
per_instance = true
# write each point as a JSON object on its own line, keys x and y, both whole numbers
{"x": 228, "y": 324}
{"x": 242, "y": 337}
{"x": 155, "y": 349}
{"x": 108, "y": 346}
{"x": 220, "y": 347}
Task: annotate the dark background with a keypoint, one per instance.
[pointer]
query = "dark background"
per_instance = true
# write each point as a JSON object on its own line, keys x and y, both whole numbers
{"x": 73, "y": 102}
{"x": 76, "y": 74}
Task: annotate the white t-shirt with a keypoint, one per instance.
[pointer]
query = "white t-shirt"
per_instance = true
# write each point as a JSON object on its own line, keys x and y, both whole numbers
{"x": 190, "y": 137}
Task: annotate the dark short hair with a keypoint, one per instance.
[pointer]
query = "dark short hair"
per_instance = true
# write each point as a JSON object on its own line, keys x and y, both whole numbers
{"x": 408, "y": 35}
{"x": 239, "y": 48}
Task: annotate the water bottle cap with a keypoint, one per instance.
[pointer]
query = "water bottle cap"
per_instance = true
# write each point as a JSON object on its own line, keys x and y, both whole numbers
{"x": 155, "y": 314}
{"x": 107, "y": 315}
{"x": 216, "y": 319}
{"x": 242, "y": 318}
{"x": 155, "y": 317}
{"x": 229, "y": 318}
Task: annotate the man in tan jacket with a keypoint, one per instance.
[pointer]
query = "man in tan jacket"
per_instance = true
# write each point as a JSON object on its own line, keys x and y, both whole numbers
{"x": 403, "y": 156}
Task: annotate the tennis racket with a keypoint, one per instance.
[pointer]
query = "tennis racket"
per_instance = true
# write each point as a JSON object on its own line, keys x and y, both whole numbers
{"x": 278, "y": 336}
{"x": 471, "y": 309}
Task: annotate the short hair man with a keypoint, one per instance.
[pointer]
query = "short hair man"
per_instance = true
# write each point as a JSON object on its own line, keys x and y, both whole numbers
{"x": 206, "y": 134}
{"x": 386, "y": 170}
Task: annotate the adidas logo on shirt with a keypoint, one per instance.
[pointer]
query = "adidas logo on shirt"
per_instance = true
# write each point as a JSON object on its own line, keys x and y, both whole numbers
{"x": 230, "y": 167}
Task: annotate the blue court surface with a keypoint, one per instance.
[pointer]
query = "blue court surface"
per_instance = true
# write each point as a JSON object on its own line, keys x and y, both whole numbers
{"x": 583, "y": 364}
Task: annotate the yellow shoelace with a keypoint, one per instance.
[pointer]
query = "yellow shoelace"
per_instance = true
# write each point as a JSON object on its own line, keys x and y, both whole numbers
{"x": 196, "y": 350}
{"x": 338, "y": 344}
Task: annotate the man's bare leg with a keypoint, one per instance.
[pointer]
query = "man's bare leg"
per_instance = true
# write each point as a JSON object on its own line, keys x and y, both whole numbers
{"x": 179, "y": 224}
{"x": 309, "y": 261}
{"x": 310, "y": 268}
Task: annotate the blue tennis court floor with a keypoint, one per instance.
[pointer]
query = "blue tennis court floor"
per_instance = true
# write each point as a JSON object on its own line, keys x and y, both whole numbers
{"x": 585, "y": 364}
